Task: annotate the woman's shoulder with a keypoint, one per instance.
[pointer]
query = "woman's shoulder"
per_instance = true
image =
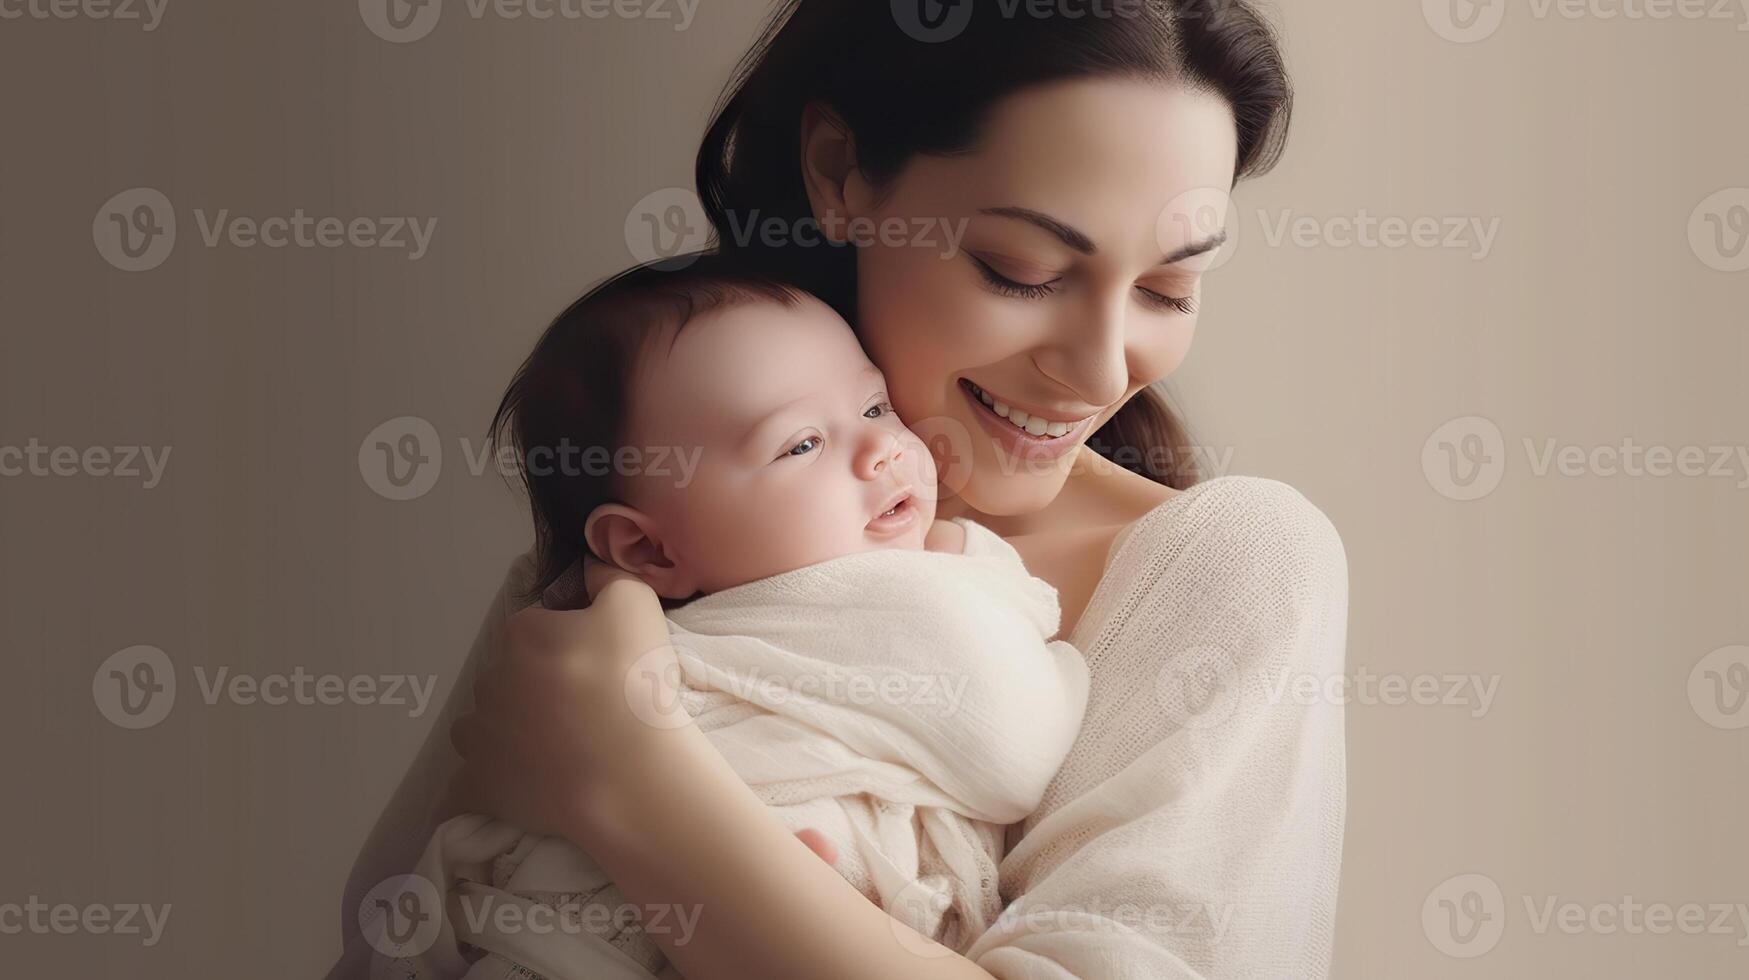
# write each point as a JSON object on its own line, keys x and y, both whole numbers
{"x": 1244, "y": 565}
{"x": 1235, "y": 530}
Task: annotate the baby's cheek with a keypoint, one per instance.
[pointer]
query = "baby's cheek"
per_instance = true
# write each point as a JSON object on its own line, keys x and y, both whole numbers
{"x": 764, "y": 533}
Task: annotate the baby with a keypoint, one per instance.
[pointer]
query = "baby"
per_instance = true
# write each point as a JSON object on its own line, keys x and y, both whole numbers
{"x": 873, "y": 674}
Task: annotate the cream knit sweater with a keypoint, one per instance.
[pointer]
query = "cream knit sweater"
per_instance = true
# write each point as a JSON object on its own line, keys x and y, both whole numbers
{"x": 1195, "y": 830}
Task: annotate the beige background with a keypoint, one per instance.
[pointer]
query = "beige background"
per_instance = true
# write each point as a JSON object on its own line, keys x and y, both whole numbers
{"x": 1592, "y": 777}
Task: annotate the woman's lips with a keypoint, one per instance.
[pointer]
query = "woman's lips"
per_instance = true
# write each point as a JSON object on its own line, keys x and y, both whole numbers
{"x": 1017, "y": 441}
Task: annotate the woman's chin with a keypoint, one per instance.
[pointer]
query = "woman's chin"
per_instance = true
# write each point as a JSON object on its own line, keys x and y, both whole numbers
{"x": 1009, "y": 487}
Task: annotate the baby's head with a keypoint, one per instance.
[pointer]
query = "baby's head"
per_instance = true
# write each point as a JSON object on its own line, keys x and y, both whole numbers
{"x": 703, "y": 428}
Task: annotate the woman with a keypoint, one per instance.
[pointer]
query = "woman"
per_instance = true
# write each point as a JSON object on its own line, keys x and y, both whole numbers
{"x": 1195, "y": 830}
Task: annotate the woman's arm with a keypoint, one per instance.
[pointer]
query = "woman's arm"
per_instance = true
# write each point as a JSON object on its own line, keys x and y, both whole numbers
{"x": 635, "y": 784}
{"x": 689, "y": 835}
{"x": 1196, "y": 828}
{"x": 414, "y": 810}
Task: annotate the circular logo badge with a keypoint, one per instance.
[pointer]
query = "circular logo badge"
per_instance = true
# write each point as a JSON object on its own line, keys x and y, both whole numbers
{"x": 1464, "y": 21}
{"x": 400, "y": 21}
{"x": 1718, "y": 230}
{"x": 654, "y": 687}
{"x": 914, "y": 914}
{"x": 401, "y": 458}
{"x": 1199, "y": 688}
{"x": 949, "y": 444}
{"x": 1464, "y": 916}
{"x": 1718, "y": 688}
{"x": 667, "y": 227}
{"x": 135, "y": 230}
{"x": 135, "y": 688}
{"x": 1465, "y": 458}
{"x": 402, "y": 916}
{"x": 1193, "y": 218}
{"x": 932, "y": 21}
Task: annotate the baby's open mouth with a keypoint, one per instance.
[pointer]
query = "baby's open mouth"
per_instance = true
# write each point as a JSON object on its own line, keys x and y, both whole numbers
{"x": 899, "y": 514}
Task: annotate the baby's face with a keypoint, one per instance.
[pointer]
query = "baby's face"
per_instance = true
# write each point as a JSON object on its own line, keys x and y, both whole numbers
{"x": 799, "y": 457}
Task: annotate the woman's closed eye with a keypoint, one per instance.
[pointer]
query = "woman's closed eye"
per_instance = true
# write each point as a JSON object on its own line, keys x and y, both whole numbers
{"x": 1011, "y": 287}
{"x": 1155, "y": 299}
{"x": 1168, "y": 304}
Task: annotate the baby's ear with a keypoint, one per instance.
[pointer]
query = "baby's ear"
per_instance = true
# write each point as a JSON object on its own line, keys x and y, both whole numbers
{"x": 629, "y": 538}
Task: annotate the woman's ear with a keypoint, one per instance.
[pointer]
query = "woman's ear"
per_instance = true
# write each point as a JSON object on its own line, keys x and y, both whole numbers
{"x": 629, "y": 538}
{"x": 837, "y": 191}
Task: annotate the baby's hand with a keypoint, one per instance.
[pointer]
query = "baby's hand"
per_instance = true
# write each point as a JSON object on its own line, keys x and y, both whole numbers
{"x": 818, "y": 843}
{"x": 945, "y": 536}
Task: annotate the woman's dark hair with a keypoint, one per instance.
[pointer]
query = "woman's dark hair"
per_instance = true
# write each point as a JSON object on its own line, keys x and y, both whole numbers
{"x": 919, "y": 76}
{"x": 565, "y": 410}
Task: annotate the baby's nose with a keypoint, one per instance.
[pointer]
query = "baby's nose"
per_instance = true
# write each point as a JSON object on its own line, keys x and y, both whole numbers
{"x": 880, "y": 450}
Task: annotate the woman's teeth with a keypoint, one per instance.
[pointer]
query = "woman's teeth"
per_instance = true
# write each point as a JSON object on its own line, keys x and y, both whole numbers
{"x": 1031, "y": 423}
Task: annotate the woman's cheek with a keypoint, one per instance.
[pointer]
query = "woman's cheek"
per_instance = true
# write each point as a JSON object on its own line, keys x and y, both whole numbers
{"x": 1160, "y": 355}
{"x": 908, "y": 296}
{"x": 931, "y": 332}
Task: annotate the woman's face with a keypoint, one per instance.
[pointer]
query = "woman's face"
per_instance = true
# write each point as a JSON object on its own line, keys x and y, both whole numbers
{"x": 1089, "y": 210}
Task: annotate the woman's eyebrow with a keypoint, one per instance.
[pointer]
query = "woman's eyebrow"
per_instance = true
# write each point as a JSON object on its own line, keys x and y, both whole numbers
{"x": 1208, "y": 244}
{"x": 1077, "y": 240}
{"x": 1069, "y": 235}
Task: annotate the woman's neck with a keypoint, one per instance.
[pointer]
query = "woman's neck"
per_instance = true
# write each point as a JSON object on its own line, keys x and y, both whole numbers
{"x": 1095, "y": 494}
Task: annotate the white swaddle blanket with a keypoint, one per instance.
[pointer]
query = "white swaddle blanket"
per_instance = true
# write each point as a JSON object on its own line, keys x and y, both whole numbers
{"x": 906, "y": 704}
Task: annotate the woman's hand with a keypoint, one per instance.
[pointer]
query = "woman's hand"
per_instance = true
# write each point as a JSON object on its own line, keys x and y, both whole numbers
{"x": 577, "y": 732}
{"x": 568, "y": 706}
{"x": 535, "y": 747}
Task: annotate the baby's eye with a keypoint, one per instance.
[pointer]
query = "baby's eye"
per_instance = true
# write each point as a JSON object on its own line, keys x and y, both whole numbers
{"x": 804, "y": 447}
{"x": 877, "y": 410}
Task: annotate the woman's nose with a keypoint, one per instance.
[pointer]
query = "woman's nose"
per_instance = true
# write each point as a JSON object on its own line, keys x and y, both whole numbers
{"x": 1087, "y": 352}
{"x": 878, "y": 449}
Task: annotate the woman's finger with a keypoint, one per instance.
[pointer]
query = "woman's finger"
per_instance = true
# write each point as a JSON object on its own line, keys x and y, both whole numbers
{"x": 598, "y": 575}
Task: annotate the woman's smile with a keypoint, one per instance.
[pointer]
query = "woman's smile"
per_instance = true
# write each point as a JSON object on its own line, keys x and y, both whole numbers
{"x": 1028, "y": 434}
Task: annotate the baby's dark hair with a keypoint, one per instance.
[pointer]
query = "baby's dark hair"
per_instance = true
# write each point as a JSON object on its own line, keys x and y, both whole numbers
{"x": 565, "y": 412}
